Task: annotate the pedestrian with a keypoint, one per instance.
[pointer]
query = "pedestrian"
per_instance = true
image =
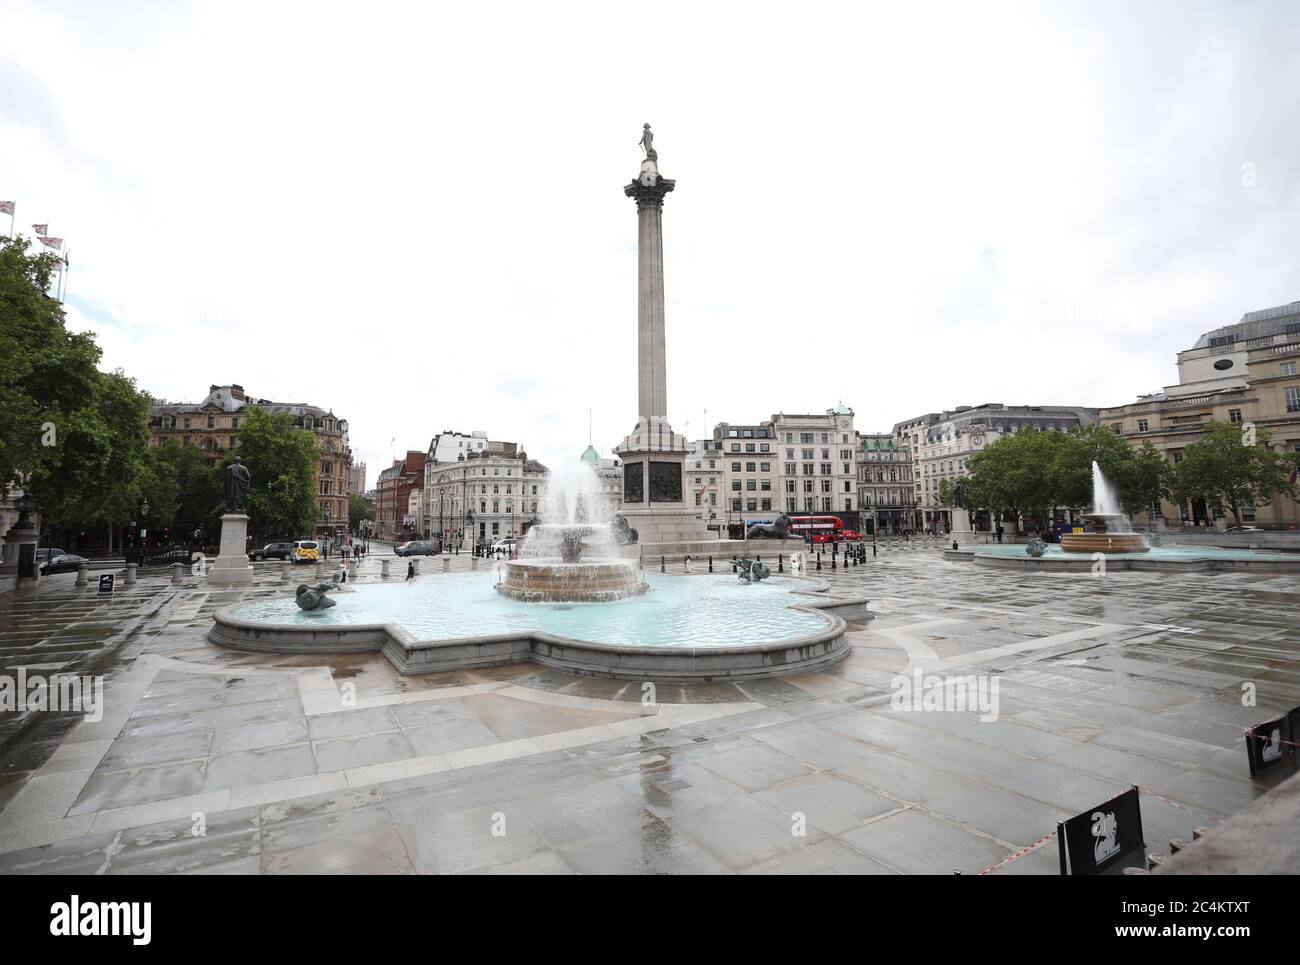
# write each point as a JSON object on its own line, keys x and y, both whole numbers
{"x": 410, "y": 569}
{"x": 688, "y": 565}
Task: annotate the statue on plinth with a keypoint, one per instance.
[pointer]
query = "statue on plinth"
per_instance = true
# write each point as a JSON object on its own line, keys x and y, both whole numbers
{"x": 237, "y": 483}
{"x": 648, "y": 141}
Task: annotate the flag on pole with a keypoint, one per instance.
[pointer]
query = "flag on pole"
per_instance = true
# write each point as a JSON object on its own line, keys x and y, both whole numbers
{"x": 55, "y": 243}
{"x": 41, "y": 229}
{"x": 7, "y": 207}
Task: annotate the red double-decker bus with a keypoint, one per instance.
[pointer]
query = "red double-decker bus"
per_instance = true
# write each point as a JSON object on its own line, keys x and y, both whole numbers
{"x": 820, "y": 529}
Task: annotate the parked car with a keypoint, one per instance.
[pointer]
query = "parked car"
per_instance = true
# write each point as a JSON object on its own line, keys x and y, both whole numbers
{"x": 506, "y": 545}
{"x": 850, "y": 535}
{"x": 1244, "y": 529}
{"x": 305, "y": 551}
{"x": 272, "y": 551}
{"x": 419, "y": 547}
{"x": 67, "y": 563}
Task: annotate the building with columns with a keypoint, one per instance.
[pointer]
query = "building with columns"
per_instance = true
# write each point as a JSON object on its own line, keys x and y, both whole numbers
{"x": 1246, "y": 372}
{"x": 213, "y": 426}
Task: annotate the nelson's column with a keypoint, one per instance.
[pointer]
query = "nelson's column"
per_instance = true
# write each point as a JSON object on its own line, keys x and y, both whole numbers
{"x": 654, "y": 457}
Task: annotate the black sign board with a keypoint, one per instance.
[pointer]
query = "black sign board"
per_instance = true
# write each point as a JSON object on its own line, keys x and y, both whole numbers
{"x": 106, "y": 583}
{"x": 1271, "y": 742}
{"x": 1105, "y": 839}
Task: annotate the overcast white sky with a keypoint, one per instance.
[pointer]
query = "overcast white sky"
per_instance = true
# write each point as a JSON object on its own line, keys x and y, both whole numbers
{"x": 412, "y": 213}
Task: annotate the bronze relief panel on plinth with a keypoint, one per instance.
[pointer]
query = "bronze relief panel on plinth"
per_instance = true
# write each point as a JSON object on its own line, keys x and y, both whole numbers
{"x": 633, "y": 483}
{"x": 665, "y": 482}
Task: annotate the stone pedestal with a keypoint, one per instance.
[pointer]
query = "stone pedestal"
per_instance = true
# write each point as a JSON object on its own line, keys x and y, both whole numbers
{"x": 231, "y": 567}
{"x": 18, "y": 558}
{"x": 961, "y": 528}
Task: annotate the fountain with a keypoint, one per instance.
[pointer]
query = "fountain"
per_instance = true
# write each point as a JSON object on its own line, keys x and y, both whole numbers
{"x": 551, "y": 567}
{"x": 1111, "y": 530}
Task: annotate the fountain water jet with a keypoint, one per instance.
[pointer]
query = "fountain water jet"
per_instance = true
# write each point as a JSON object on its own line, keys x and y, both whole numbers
{"x": 1112, "y": 532}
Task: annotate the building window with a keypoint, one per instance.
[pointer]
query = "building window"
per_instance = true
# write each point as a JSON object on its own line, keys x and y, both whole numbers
{"x": 1287, "y": 368}
{"x": 1234, "y": 415}
{"x": 1292, "y": 398}
{"x": 751, "y": 505}
{"x": 1143, "y": 425}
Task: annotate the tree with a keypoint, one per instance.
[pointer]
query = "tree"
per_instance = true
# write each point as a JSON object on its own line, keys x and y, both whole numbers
{"x": 282, "y": 461}
{"x": 184, "y": 493}
{"x": 95, "y": 473}
{"x": 358, "y": 509}
{"x": 1017, "y": 473}
{"x": 1143, "y": 480}
{"x": 48, "y": 375}
{"x": 1220, "y": 468}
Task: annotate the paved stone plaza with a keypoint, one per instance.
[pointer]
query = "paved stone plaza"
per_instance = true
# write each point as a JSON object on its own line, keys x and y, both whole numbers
{"x": 305, "y": 765}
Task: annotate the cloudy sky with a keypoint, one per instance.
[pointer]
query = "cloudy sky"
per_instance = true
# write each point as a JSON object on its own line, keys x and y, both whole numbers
{"x": 412, "y": 213}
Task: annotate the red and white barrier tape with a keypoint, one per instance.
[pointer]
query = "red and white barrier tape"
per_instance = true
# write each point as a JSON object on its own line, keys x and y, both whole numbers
{"x": 1019, "y": 854}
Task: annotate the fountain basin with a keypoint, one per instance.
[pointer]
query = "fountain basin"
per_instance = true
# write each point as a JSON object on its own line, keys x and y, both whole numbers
{"x": 688, "y": 629}
{"x": 538, "y": 580}
{"x": 1104, "y": 543}
{"x": 1111, "y": 533}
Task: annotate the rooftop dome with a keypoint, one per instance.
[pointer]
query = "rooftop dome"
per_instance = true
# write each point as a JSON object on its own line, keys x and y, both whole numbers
{"x": 591, "y": 456}
{"x": 843, "y": 409}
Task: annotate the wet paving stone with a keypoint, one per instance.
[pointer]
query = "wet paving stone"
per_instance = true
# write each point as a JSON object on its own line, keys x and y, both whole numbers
{"x": 1152, "y": 698}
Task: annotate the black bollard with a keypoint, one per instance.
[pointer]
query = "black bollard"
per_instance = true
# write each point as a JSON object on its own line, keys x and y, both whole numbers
{"x": 663, "y": 564}
{"x": 780, "y": 563}
{"x": 833, "y": 560}
{"x": 873, "y": 549}
{"x": 710, "y": 564}
{"x": 819, "y": 561}
{"x": 733, "y": 566}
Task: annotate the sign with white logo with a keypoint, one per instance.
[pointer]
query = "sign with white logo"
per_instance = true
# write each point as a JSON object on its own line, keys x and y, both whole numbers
{"x": 1269, "y": 743}
{"x": 1105, "y": 839}
{"x": 106, "y": 583}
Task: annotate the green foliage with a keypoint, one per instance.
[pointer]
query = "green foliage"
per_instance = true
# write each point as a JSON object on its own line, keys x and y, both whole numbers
{"x": 358, "y": 509}
{"x": 48, "y": 379}
{"x": 282, "y": 462}
{"x": 1220, "y": 469}
{"x": 1033, "y": 471}
{"x": 184, "y": 493}
{"x": 947, "y": 492}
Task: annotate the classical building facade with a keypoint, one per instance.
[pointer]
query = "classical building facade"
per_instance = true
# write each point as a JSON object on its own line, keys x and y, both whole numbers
{"x": 1246, "y": 373}
{"x": 817, "y": 466}
{"x": 885, "y": 484}
{"x": 941, "y": 442}
{"x": 483, "y": 497}
{"x": 213, "y": 426}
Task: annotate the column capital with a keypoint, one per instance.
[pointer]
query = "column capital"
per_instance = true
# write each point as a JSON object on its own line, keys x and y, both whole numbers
{"x": 649, "y": 192}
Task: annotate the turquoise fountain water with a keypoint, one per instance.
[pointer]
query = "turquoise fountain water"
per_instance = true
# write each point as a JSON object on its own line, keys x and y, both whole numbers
{"x": 679, "y": 611}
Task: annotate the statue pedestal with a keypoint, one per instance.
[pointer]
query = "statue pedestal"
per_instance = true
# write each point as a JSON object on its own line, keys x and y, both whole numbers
{"x": 231, "y": 567}
{"x": 961, "y": 528}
